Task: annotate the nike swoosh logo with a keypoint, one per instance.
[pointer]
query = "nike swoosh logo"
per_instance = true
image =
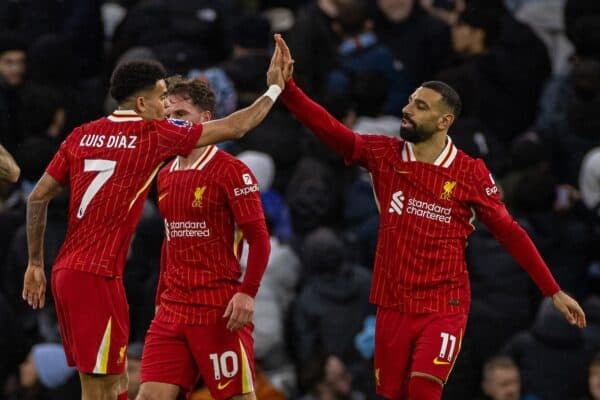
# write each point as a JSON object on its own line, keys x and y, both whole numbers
{"x": 162, "y": 196}
{"x": 223, "y": 386}
{"x": 437, "y": 361}
{"x": 401, "y": 172}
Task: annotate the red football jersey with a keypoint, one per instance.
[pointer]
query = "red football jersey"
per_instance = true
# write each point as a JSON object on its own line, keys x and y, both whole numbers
{"x": 426, "y": 214}
{"x": 201, "y": 206}
{"x": 429, "y": 208}
{"x": 108, "y": 165}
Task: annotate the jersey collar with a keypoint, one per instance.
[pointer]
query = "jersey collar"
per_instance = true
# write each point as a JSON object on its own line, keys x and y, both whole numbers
{"x": 444, "y": 160}
{"x": 200, "y": 162}
{"x": 124, "y": 116}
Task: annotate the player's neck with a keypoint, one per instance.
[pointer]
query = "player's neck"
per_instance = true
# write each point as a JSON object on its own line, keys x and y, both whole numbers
{"x": 429, "y": 150}
{"x": 186, "y": 162}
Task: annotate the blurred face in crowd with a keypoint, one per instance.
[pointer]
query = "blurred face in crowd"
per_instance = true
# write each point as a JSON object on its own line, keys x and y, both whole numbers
{"x": 182, "y": 107}
{"x": 503, "y": 384}
{"x": 12, "y": 66}
{"x": 396, "y": 10}
{"x": 151, "y": 103}
{"x": 423, "y": 116}
{"x": 466, "y": 39}
{"x": 331, "y": 7}
{"x": 594, "y": 381}
{"x": 338, "y": 381}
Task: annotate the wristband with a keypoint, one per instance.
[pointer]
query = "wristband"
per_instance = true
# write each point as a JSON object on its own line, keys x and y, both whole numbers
{"x": 273, "y": 92}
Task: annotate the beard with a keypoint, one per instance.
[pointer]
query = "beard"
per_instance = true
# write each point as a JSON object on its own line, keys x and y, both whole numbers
{"x": 415, "y": 133}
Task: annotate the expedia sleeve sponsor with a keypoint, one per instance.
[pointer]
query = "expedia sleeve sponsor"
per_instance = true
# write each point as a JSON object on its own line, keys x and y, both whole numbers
{"x": 245, "y": 190}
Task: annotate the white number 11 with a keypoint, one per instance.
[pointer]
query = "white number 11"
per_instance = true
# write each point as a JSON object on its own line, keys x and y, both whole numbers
{"x": 105, "y": 170}
{"x": 446, "y": 353}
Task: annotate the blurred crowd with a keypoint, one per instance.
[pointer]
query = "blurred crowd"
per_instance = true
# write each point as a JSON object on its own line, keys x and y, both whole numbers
{"x": 528, "y": 72}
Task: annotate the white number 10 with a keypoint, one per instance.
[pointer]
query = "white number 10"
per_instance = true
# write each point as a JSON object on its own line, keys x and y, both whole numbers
{"x": 105, "y": 170}
{"x": 222, "y": 367}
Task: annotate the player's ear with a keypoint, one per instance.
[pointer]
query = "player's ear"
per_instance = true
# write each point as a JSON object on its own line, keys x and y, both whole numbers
{"x": 445, "y": 121}
{"x": 140, "y": 104}
{"x": 206, "y": 116}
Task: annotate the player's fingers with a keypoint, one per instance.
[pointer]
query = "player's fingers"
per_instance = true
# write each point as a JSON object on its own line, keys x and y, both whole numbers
{"x": 284, "y": 48}
{"x": 30, "y": 298}
{"x": 234, "y": 319}
{"x": 42, "y": 298}
{"x": 228, "y": 310}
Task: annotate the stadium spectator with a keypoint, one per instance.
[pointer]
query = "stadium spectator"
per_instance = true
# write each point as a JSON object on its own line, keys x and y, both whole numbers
{"x": 321, "y": 313}
{"x": 501, "y": 379}
{"x": 315, "y": 43}
{"x": 552, "y": 356}
{"x": 12, "y": 74}
{"x": 45, "y": 375}
{"x": 361, "y": 51}
{"x": 419, "y": 41}
{"x": 420, "y": 281}
{"x": 327, "y": 378}
{"x": 593, "y": 386}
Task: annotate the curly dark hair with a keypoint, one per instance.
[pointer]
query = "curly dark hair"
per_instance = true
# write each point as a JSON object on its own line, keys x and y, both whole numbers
{"x": 198, "y": 90}
{"x": 131, "y": 77}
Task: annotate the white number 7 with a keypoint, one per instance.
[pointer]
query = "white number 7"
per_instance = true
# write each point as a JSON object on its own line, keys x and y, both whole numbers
{"x": 105, "y": 170}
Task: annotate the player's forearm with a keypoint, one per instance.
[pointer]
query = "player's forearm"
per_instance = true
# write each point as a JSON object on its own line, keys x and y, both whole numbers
{"x": 258, "y": 255}
{"x": 9, "y": 170}
{"x": 235, "y": 125}
{"x": 36, "y": 226}
{"x": 329, "y": 130}
{"x": 518, "y": 243}
{"x": 37, "y": 208}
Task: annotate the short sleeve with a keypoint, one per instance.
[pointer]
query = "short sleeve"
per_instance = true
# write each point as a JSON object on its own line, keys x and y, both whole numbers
{"x": 176, "y": 137}
{"x": 59, "y": 166}
{"x": 243, "y": 193}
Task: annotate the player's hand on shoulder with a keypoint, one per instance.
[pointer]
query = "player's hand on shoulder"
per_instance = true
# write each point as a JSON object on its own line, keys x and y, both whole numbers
{"x": 569, "y": 308}
{"x": 34, "y": 286}
{"x": 240, "y": 311}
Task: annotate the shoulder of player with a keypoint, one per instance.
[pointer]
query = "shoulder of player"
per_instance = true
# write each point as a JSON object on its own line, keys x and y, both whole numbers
{"x": 474, "y": 168}
{"x": 229, "y": 162}
{"x": 379, "y": 142}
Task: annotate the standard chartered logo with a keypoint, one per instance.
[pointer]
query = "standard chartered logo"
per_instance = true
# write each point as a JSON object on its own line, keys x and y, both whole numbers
{"x": 178, "y": 229}
{"x": 419, "y": 208}
{"x": 397, "y": 203}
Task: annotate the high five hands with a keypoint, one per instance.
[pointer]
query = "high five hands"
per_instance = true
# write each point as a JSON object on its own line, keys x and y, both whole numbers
{"x": 282, "y": 58}
{"x": 281, "y": 66}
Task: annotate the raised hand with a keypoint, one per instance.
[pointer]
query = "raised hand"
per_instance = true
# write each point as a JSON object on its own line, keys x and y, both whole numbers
{"x": 569, "y": 308}
{"x": 286, "y": 60}
{"x": 275, "y": 73}
{"x": 34, "y": 286}
{"x": 239, "y": 310}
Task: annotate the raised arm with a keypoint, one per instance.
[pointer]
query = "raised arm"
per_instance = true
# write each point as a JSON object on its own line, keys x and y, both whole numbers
{"x": 34, "y": 284}
{"x": 328, "y": 129}
{"x": 235, "y": 125}
{"x": 9, "y": 170}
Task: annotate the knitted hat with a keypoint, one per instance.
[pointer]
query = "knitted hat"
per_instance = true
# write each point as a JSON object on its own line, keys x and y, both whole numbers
{"x": 11, "y": 41}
